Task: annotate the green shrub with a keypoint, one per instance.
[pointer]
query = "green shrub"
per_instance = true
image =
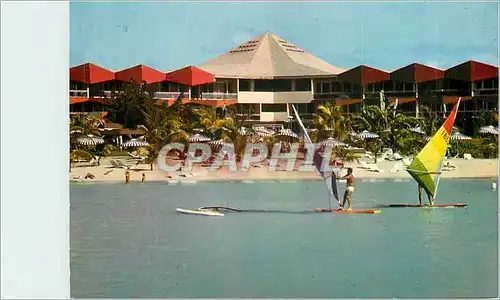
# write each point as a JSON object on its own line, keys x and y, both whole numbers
{"x": 478, "y": 148}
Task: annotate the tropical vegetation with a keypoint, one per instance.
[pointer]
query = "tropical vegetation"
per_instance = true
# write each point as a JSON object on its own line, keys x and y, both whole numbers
{"x": 136, "y": 107}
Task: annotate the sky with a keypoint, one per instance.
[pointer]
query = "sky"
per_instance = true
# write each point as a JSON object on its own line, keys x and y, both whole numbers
{"x": 384, "y": 35}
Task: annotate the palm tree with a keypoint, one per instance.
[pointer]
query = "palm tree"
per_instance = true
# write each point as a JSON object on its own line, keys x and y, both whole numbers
{"x": 330, "y": 120}
{"x": 84, "y": 125}
{"x": 399, "y": 137}
{"x": 125, "y": 107}
{"x": 212, "y": 123}
{"x": 429, "y": 120}
{"x": 374, "y": 119}
{"x": 164, "y": 125}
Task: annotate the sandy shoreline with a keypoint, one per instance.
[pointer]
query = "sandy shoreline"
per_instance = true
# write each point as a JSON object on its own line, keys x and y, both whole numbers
{"x": 465, "y": 169}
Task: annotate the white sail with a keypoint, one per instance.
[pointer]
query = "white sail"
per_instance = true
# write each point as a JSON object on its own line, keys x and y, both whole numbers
{"x": 329, "y": 179}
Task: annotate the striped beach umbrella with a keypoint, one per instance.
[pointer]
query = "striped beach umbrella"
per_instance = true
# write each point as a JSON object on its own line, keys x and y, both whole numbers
{"x": 489, "y": 130}
{"x": 90, "y": 140}
{"x": 365, "y": 134}
{"x": 262, "y": 131}
{"x": 332, "y": 142}
{"x": 417, "y": 130}
{"x": 135, "y": 143}
{"x": 287, "y": 133}
{"x": 198, "y": 138}
{"x": 457, "y": 136}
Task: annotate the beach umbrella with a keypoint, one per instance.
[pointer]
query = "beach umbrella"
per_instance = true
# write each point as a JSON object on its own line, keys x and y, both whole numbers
{"x": 365, "y": 134}
{"x": 332, "y": 142}
{"x": 261, "y": 131}
{"x": 198, "y": 138}
{"x": 457, "y": 136}
{"x": 135, "y": 143}
{"x": 287, "y": 133}
{"x": 489, "y": 130}
{"x": 417, "y": 130}
{"x": 90, "y": 140}
{"x": 244, "y": 131}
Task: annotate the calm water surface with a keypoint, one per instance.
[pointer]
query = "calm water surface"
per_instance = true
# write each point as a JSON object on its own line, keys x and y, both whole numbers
{"x": 128, "y": 241}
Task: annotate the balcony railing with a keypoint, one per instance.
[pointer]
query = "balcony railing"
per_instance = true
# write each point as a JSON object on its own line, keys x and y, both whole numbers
{"x": 486, "y": 92}
{"x": 218, "y": 96}
{"x": 159, "y": 95}
{"x": 327, "y": 96}
{"x": 169, "y": 95}
{"x": 78, "y": 93}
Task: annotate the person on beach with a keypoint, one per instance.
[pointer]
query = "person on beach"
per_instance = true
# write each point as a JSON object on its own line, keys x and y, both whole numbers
{"x": 349, "y": 189}
{"x": 431, "y": 200}
{"x": 127, "y": 175}
{"x": 143, "y": 177}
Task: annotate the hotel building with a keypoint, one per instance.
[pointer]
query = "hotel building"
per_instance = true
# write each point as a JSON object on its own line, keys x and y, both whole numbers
{"x": 264, "y": 74}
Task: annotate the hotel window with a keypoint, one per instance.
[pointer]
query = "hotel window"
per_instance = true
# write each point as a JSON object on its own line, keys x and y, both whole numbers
{"x": 347, "y": 87}
{"x": 336, "y": 87}
{"x": 317, "y": 89}
{"x": 303, "y": 85}
{"x": 326, "y": 87}
{"x": 273, "y": 108}
{"x": 245, "y": 85}
{"x": 388, "y": 86}
{"x": 378, "y": 86}
{"x": 399, "y": 86}
{"x": 278, "y": 85}
{"x": 408, "y": 87}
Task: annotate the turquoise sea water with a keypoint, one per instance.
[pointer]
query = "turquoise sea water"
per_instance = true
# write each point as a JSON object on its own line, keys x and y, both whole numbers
{"x": 128, "y": 241}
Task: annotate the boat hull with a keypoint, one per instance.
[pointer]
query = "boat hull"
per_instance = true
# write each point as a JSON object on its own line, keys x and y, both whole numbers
{"x": 348, "y": 212}
{"x": 199, "y": 212}
{"x": 425, "y": 205}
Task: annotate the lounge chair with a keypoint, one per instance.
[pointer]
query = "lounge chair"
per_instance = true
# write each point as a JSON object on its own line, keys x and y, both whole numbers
{"x": 366, "y": 166}
{"x": 113, "y": 164}
{"x": 397, "y": 167}
{"x": 406, "y": 162}
{"x": 120, "y": 164}
{"x": 447, "y": 166}
{"x": 397, "y": 156}
{"x": 375, "y": 168}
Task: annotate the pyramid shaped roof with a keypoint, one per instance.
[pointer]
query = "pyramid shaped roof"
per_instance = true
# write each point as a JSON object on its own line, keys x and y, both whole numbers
{"x": 266, "y": 57}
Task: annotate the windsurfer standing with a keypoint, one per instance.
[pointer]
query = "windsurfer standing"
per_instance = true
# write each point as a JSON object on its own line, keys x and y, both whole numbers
{"x": 431, "y": 200}
{"x": 349, "y": 189}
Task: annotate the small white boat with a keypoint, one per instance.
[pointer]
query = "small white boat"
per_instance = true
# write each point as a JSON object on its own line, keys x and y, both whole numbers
{"x": 199, "y": 211}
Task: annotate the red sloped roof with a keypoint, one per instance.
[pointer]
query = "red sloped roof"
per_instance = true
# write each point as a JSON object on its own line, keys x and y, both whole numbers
{"x": 190, "y": 76}
{"x": 140, "y": 73}
{"x": 89, "y": 73}
{"x": 372, "y": 75}
{"x": 481, "y": 71}
{"x": 417, "y": 73}
{"x": 364, "y": 75}
{"x": 472, "y": 71}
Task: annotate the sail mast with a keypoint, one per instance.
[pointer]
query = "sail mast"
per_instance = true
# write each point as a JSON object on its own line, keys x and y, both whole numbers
{"x": 330, "y": 184}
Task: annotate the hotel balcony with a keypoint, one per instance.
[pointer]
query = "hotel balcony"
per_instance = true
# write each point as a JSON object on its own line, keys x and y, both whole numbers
{"x": 168, "y": 95}
{"x": 218, "y": 96}
{"x": 79, "y": 93}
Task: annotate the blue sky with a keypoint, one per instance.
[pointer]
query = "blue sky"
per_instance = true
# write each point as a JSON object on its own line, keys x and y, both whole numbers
{"x": 386, "y": 35}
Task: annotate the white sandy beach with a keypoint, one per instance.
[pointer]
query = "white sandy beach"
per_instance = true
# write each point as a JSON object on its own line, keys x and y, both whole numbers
{"x": 475, "y": 168}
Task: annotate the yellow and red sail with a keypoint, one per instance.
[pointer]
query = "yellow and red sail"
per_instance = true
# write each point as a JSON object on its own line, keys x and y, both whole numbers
{"x": 426, "y": 166}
